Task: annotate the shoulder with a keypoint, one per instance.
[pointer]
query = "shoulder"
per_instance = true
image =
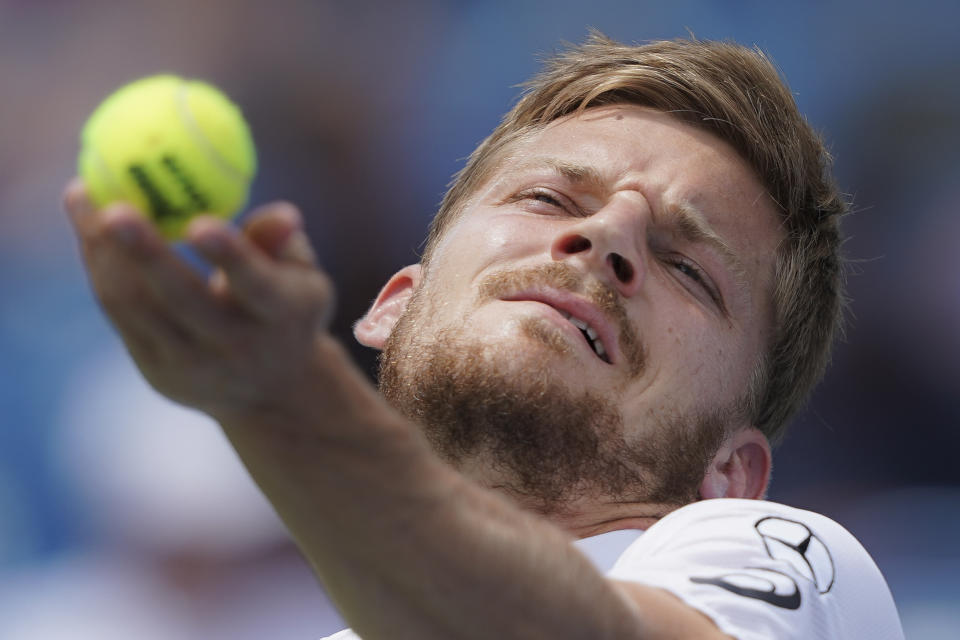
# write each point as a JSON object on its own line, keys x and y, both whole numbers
{"x": 728, "y": 523}
{"x": 765, "y": 565}
{"x": 731, "y": 510}
{"x": 733, "y": 534}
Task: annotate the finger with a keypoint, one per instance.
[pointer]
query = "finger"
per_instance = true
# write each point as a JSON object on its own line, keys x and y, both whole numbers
{"x": 246, "y": 270}
{"x": 298, "y": 250}
{"x": 80, "y": 211}
{"x": 269, "y": 226}
{"x": 122, "y": 228}
{"x": 265, "y": 288}
{"x": 132, "y": 306}
{"x": 277, "y": 229}
{"x": 134, "y": 263}
{"x": 89, "y": 221}
{"x": 126, "y": 305}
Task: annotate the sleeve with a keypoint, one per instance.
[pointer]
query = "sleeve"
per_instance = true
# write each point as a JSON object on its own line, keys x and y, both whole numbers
{"x": 761, "y": 570}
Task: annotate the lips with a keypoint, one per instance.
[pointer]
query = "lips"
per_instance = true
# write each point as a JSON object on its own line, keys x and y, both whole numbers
{"x": 589, "y": 334}
{"x": 582, "y": 314}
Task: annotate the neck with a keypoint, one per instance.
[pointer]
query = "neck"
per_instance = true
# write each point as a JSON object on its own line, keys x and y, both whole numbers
{"x": 587, "y": 517}
{"x": 582, "y": 516}
{"x": 610, "y": 517}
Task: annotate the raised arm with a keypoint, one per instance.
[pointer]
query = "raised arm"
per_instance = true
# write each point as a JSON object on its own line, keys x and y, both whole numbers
{"x": 406, "y": 546}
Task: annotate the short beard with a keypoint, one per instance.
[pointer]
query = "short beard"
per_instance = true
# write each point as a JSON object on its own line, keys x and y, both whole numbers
{"x": 543, "y": 444}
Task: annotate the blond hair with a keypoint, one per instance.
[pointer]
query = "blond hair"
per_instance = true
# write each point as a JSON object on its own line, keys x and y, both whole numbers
{"x": 736, "y": 94}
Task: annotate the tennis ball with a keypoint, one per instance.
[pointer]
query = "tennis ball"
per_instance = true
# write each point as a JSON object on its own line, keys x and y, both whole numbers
{"x": 172, "y": 147}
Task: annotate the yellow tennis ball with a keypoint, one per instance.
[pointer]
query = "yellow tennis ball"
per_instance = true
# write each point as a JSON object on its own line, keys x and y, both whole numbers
{"x": 172, "y": 147}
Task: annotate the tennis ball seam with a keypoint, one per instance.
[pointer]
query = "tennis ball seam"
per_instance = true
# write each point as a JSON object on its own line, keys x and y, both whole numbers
{"x": 197, "y": 133}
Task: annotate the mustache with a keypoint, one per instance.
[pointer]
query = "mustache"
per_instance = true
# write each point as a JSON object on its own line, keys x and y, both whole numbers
{"x": 559, "y": 275}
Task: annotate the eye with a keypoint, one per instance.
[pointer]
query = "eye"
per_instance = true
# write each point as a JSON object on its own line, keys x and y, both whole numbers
{"x": 543, "y": 200}
{"x": 546, "y": 197}
{"x": 689, "y": 270}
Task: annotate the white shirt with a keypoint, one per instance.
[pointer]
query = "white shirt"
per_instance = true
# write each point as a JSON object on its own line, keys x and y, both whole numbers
{"x": 759, "y": 570}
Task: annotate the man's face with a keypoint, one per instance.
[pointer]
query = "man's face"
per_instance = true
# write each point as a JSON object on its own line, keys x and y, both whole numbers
{"x": 653, "y": 235}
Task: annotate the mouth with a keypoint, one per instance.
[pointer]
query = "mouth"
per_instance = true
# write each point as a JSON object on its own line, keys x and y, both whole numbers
{"x": 597, "y": 332}
{"x": 589, "y": 334}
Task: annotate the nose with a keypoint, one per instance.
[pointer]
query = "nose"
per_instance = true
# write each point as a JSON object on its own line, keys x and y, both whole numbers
{"x": 610, "y": 243}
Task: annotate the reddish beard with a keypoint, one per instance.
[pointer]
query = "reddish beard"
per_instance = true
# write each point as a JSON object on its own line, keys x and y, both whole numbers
{"x": 545, "y": 444}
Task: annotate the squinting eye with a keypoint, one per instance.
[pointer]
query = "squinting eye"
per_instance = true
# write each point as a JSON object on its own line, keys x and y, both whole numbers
{"x": 688, "y": 270}
{"x": 540, "y": 197}
{"x": 697, "y": 275}
{"x": 544, "y": 197}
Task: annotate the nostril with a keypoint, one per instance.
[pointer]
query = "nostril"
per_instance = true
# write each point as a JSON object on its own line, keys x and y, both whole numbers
{"x": 621, "y": 267}
{"x": 576, "y": 244}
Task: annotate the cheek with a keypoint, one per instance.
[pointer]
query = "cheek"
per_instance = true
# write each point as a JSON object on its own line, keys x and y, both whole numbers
{"x": 720, "y": 369}
{"x": 472, "y": 248}
{"x": 688, "y": 363}
{"x": 480, "y": 241}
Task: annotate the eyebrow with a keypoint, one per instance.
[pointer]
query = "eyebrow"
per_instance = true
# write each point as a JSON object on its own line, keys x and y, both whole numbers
{"x": 578, "y": 174}
{"x": 693, "y": 227}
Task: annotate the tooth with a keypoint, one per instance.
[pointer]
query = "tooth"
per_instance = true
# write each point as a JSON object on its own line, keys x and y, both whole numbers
{"x": 598, "y": 346}
{"x": 578, "y": 323}
{"x": 565, "y": 314}
{"x": 591, "y": 333}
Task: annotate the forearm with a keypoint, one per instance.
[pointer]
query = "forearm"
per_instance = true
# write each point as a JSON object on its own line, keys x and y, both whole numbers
{"x": 406, "y": 546}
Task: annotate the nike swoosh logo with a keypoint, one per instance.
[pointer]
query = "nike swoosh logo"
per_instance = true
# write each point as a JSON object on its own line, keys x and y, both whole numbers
{"x": 770, "y": 596}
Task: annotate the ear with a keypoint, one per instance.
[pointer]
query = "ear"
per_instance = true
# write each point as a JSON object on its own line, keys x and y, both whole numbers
{"x": 741, "y": 467}
{"x": 374, "y": 327}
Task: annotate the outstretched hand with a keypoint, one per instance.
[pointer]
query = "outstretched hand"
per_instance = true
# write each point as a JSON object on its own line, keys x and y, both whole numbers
{"x": 238, "y": 341}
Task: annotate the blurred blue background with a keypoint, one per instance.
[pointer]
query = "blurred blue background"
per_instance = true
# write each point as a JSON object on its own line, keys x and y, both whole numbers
{"x": 124, "y": 516}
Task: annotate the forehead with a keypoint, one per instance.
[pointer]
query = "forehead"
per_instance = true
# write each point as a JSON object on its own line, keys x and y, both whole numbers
{"x": 632, "y": 146}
